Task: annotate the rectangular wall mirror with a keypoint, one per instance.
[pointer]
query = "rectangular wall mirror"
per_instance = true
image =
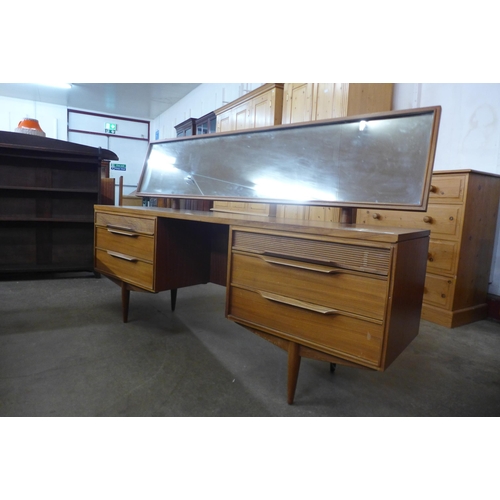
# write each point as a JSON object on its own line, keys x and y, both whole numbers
{"x": 379, "y": 160}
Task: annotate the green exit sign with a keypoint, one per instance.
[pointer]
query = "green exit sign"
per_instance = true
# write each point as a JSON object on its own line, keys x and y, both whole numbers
{"x": 110, "y": 128}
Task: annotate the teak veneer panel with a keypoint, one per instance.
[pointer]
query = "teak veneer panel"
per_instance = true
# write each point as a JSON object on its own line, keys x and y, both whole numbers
{"x": 300, "y": 302}
{"x": 347, "y": 294}
{"x": 349, "y": 291}
{"x": 354, "y": 338}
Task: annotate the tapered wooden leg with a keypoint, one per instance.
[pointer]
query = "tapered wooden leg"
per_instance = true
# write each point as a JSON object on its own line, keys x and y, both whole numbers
{"x": 293, "y": 369}
{"x": 173, "y": 298}
{"x": 125, "y": 301}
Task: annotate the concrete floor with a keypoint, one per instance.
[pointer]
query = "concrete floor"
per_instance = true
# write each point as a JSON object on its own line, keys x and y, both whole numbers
{"x": 64, "y": 351}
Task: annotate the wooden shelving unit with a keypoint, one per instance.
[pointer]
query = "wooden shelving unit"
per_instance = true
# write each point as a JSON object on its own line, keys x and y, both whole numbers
{"x": 48, "y": 189}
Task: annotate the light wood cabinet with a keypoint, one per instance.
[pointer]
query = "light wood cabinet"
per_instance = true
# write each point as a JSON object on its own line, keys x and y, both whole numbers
{"x": 305, "y": 102}
{"x": 462, "y": 216}
{"x": 300, "y": 102}
{"x": 260, "y": 108}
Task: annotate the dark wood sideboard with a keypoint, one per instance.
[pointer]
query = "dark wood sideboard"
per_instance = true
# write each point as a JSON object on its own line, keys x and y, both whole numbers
{"x": 48, "y": 189}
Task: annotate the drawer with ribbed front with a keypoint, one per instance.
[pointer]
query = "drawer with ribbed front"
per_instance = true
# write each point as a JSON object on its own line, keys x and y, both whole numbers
{"x": 354, "y": 257}
{"x": 345, "y": 290}
{"x": 313, "y": 326}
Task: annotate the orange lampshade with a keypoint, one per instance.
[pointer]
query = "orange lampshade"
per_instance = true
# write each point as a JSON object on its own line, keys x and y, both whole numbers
{"x": 30, "y": 126}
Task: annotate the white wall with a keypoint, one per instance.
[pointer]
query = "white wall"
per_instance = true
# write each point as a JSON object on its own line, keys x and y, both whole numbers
{"x": 469, "y": 133}
{"x": 52, "y": 118}
{"x": 202, "y": 100}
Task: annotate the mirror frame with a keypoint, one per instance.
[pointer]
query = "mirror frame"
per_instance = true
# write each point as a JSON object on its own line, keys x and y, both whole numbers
{"x": 435, "y": 111}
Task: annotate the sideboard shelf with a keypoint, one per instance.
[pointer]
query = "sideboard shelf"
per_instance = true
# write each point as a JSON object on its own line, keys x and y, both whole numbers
{"x": 48, "y": 189}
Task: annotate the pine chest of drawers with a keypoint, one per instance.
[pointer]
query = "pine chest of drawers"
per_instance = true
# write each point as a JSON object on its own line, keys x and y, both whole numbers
{"x": 462, "y": 217}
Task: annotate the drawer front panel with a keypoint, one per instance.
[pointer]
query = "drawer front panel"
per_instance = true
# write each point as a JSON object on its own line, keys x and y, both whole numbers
{"x": 341, "y": 289}
{"x": 447, "y": 189}
{"x": 366, "y": 259}
{"x": 125, "y": 223}
{"x": 443, "y": 256}
{"x": 442, "y": 221}
{"x": 438, "y": 291}
{"x": 132, "y": 271}
{"x": 133, "y": 244}
{"x": 347, "y": 337}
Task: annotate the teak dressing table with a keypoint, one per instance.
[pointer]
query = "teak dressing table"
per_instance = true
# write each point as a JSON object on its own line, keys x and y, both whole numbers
{"x": 338, "y": 292}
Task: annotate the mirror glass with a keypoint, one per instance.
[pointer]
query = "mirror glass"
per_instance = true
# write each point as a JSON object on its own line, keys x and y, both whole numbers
{"x": 381, "y": 160}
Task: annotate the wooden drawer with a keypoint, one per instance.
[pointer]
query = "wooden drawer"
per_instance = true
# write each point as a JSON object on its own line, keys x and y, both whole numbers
{"x": 447, "y": 189}
{"x": 129, "y": 243}
{"x": 443, "y": 256}
{"x": 125, "y": 267}
{"x": 358, "y": 258}
{"x": 352, "y": 338}
{"x": 438, "y": 290}
{"x": 125, "y": 223}
{"x": 341, "y": 289}
{"x": 442, "y": 221}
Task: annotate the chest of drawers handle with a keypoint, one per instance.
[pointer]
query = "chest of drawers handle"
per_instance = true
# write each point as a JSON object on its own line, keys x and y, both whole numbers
{"x": 427, "y": 219}
{"x": 298, "y": 303}
{"x": 121, "y": 256}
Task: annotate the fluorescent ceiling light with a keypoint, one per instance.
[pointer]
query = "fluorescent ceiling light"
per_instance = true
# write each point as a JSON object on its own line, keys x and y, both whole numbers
{"x": 57, "y": 85}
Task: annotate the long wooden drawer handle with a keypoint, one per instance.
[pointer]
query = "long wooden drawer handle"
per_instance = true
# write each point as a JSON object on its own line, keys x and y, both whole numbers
{"x": 300, "y": 265}
{"x": 121, "y": 256}
{"x": 128, "y": 231}
{"x": 122, "y": 233}
{"x": 284, "y": 256}
{"x": 298, "y": 303}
